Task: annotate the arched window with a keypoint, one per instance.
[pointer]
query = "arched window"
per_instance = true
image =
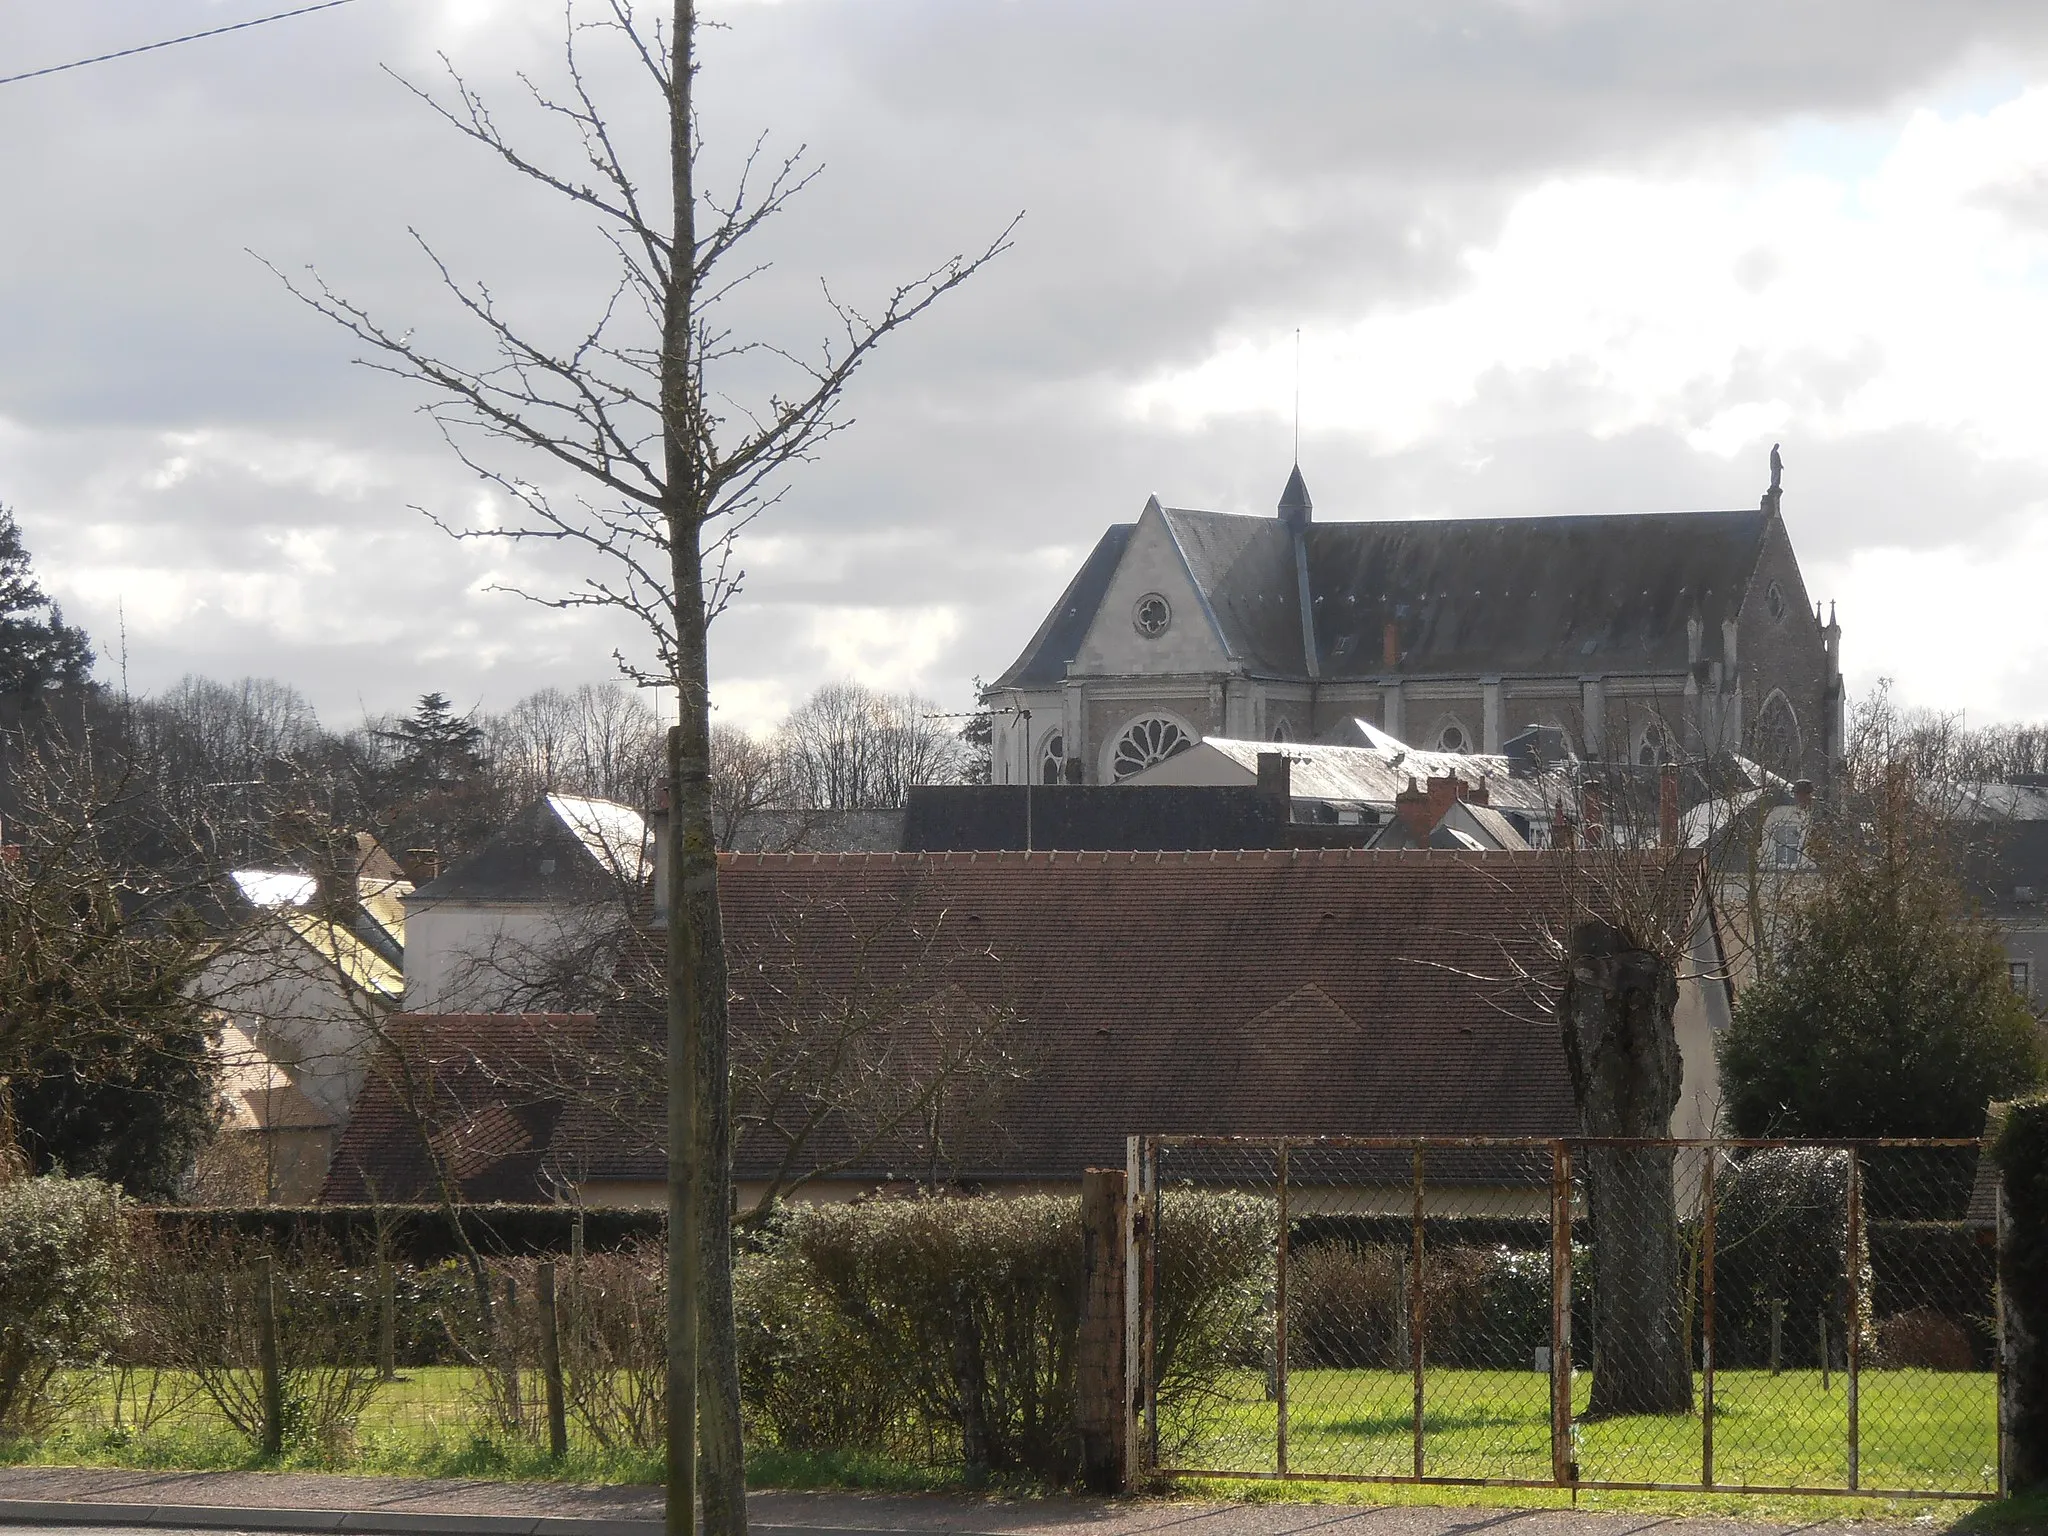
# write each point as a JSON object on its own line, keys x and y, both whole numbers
{"x": 1052, "y": 760}
{"x": 1151, "y": 739}
{"x": 1653, "y": 745}
{"x": 1280, "y": 731}
{"x": 1779, "y": 741}
{"x": 1451, "y": 735}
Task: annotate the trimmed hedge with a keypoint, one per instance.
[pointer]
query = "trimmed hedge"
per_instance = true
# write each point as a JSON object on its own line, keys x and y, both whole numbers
{"x": 2021, "y": 1151}
{"x": 418, "y": 1235}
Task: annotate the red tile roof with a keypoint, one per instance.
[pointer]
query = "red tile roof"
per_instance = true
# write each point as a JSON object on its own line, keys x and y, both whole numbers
{"x": 1259, "y": 992}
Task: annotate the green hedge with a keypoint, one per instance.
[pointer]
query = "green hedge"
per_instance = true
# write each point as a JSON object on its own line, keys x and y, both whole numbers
{"x": 418, "y": 1235}
{"x": 2022, "y": 1154}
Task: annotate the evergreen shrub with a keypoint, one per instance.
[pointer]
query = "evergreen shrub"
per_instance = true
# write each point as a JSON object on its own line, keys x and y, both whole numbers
{"x": 63, "y": 1258}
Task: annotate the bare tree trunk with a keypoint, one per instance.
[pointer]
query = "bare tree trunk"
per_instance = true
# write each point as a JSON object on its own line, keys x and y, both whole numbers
{"x": 1616, "y": 1013}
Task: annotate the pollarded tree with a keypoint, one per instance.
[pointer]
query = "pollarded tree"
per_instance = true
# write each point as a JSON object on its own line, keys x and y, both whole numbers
{"x": 1888, "y": 1010}
{"x": 38, "y": 650}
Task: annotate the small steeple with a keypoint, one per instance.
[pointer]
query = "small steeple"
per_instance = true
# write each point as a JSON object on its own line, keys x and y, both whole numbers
{"x": 1296, "y": 510}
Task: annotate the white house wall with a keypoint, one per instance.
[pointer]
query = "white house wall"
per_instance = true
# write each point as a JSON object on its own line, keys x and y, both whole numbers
{"x": 470, "y": 957}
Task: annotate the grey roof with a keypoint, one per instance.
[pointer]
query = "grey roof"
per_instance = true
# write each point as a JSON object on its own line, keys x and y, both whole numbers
{"x": 1538, "y": 595}
{"x": 1059, "y": 637}
{"x": 803, "y": 831}
{"x": 560, "y": 848}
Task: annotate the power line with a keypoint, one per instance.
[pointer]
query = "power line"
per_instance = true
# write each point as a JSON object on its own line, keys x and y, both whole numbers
{"x": 171, "y": 42}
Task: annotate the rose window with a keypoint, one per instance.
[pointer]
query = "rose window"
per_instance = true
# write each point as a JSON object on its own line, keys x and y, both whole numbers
{"x": 1151, "y": 615}
{"x": 1146, "y": 742}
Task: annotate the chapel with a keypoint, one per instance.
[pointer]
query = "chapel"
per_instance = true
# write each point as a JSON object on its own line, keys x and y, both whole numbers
{"x": 1641, "y": 637}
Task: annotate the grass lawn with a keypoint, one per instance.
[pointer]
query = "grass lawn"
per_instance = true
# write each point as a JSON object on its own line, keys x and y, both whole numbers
{"x": 1920, "y": 1430}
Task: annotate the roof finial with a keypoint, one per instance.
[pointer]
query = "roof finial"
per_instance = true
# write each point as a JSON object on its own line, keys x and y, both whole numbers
{"x": 1297, "y": 396}
{"x": 1777, "y": 490}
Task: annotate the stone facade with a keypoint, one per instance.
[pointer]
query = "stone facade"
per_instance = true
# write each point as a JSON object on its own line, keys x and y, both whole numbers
{"x": 1644, "y": 637}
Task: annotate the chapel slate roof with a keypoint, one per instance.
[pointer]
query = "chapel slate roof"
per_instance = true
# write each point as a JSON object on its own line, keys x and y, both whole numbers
{"x": 963, "y": 818}
{"x": 1268, "y": 993}
{"x": 1532, "y": 595}
{"x": 1059, "y": 637}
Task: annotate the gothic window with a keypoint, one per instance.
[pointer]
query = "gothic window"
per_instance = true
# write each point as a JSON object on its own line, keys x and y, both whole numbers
{"x": 1151, "y": 615}
{"x": 1779, "y": 743}
{"x": 1145, "y": 742}
{"x": 1451, "y": 736}
{"x": 1280, "y": 730}
{"x": 1774, "y": 603}
{"x": 1052, "y": 761}
{"x": 1653, "y": 746}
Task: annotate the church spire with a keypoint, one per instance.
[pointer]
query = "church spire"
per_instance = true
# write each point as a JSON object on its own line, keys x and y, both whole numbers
{"x": 1296, "y": 510}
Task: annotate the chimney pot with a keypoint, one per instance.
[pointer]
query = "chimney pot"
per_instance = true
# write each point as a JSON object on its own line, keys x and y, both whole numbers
{"x": 1802, "y": 794}
{"x": 1276, "y": 772}
{"x": 1667, "y": 807}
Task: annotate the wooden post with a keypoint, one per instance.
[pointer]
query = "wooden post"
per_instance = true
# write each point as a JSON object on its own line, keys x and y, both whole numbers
{"x": 1134, "y": 1312}
{"x": 1778, "y": 1335}
{"x": 387, "y": 1320}
{"x": 551, "y": 1362}
{"x": 508, "y": 1344}
{"x": 1099, "y": 1357}
{"x": 266, "y": 1357}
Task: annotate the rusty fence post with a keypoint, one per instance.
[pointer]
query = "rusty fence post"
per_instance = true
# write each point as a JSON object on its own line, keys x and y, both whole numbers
{"x": 1416, "y": 1314}
{"x": 1563, "y": 1469}
{"x": 1133, "y": 1400}
{"x": 1280, "y": 1320}
{"x": 551, "y": 1361}
{"x": 1707, "y": 1319}
{"x": 1852, "y": 1330}
{"x": 1099, "y": 1359}
{"x": 1148, "y": 1282}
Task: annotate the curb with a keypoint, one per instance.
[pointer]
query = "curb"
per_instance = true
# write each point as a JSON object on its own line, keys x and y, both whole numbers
{"x": 91, "y": 1512}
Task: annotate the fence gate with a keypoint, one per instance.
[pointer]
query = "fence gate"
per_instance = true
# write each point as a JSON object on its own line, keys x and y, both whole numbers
{"x": 1744, "y": 1316}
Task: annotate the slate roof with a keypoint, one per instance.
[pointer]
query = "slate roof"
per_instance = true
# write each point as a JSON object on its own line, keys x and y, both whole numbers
{"x": 1059, "y": 637}
{"x": 1374, "y": 776}
{"x": 962, "y": 818}
{"x": 1519, "y": 595}
{"x": 560, "y": 848}
{"x": 1251, "y": 993}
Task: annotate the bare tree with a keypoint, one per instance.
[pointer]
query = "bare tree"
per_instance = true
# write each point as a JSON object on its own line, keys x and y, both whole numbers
{"x": 747, "y": 777}
{"x": 849, "y": 747}
{"x": 637, "y": 409}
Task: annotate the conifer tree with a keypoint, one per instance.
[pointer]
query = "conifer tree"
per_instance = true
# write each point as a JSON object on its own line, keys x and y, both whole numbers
{"x": 38, "y": 650}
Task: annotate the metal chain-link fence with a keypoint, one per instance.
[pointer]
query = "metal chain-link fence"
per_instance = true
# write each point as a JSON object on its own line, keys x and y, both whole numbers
{"x": 1743, "y": 1315}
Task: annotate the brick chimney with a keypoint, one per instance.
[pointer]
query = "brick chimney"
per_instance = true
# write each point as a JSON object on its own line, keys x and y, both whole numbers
{"x": 1390, "y": 646}
{"x": 1593, "y": 811}
{"x": 1412, "y": 806}
{"x": 1564, "y": 832}
{"x": 1667, "y": 807}
{"x": 1276, "y": 776}
{"x": 423, "y": 864}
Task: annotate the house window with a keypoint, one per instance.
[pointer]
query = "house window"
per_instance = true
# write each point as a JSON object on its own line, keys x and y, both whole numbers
{"x": 1151, "y": 615}
{"x": 2021, "y": 974}
{"x": 1145, "y": 742}
{"x": 1052, "y": 762}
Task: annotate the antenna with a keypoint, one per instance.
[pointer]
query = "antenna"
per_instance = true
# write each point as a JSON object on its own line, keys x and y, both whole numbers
{"x": 1297, "y": 394}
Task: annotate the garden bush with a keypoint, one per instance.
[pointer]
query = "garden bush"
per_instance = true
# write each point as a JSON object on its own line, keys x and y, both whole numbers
{"x": 907, "y": 1325}
{"x": 1781, "y": 1229}
{"x": 1484, "y": 1308}
{"x": 63, "y": 1256}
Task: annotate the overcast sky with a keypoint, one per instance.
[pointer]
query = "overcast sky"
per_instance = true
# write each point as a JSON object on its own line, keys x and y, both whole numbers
{"x": 1544, "y": 257}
